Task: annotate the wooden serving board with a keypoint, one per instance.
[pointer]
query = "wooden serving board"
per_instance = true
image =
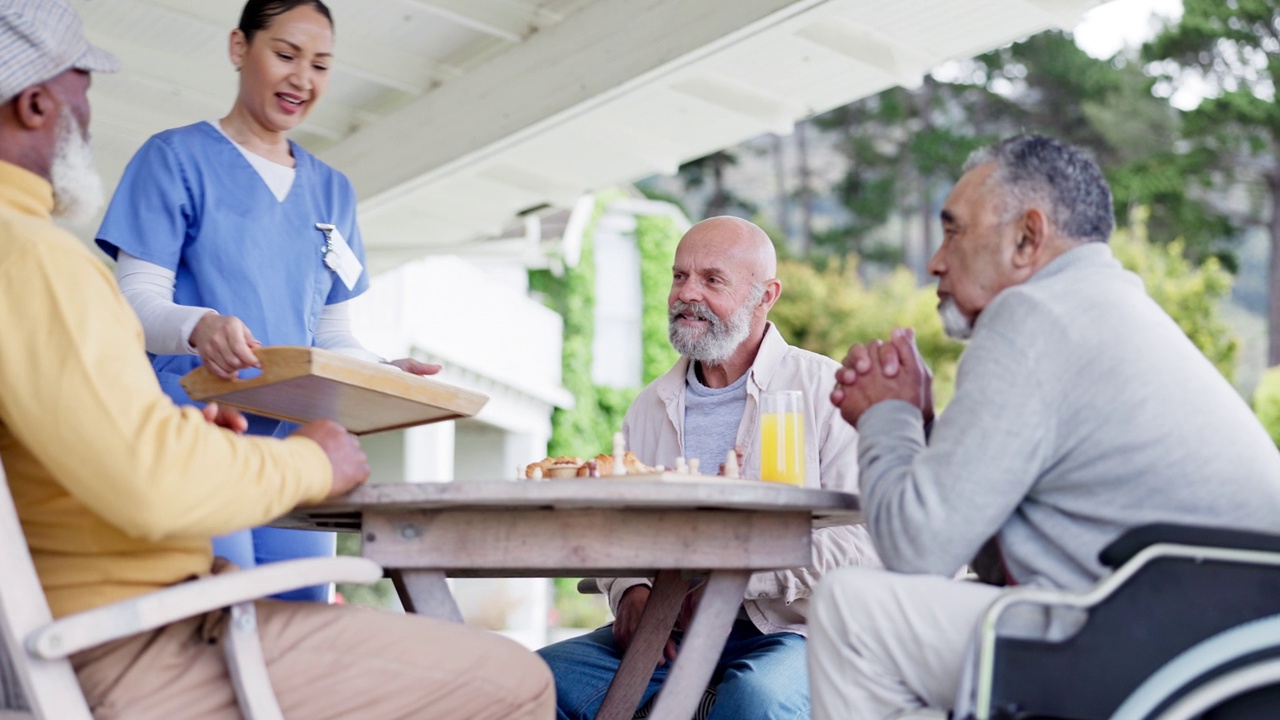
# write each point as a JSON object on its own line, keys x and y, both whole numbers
{"x": 302, "y": 384}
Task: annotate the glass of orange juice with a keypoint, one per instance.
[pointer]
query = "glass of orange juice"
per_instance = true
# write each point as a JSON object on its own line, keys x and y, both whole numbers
{"x": 782, "y": 437}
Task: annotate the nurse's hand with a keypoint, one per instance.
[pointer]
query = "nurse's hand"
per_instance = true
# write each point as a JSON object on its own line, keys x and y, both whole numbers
{"x": 225, "y": 345}
{"x": 416, "y": 367}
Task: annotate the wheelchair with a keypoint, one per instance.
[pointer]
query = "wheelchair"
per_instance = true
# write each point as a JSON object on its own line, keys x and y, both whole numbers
{"x": 1187, "y": 626}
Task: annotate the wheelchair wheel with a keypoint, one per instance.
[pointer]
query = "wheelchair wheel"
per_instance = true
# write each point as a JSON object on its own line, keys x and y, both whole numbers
{"x": 1216, "y": 692}
{"x": 1233, "y": 664}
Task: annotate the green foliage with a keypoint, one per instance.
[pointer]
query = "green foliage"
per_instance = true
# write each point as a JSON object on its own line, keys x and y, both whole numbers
{"x": 827, "y": 310}
{"x": 901, "y": 145}
{"x": 1232, "y": 138}
{"x": 576, "y": 610}
{"x": 583, "y": 429}
{"x": 1266, "y": 402}
{"x": 587, "y": 429}
{"x": 379, "y": 595}
{"x": 656, "y": 239}
{"x": 1191, "y": 295}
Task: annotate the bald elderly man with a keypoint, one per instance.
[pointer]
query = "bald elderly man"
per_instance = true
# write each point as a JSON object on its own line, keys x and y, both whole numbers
{"x": 723, "y": 285}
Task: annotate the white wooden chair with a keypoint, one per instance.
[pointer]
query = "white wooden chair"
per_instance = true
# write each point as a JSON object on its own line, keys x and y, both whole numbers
{"x": 36, "y": 678}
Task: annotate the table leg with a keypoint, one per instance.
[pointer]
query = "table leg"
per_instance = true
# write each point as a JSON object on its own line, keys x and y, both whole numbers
{"x": 425, "y": 592}
{"x": 702, "y": 645}
{"x": 646, "y": 647}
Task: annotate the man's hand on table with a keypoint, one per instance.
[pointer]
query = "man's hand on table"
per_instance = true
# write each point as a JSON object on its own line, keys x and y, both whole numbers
{"x": 876, "y": 372}
{"x": 630, "y": 607}
{"x": 350, "y": 466}
{"x": 225, "y": 417}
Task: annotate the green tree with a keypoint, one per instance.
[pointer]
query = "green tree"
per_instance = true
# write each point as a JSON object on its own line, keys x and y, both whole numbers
{"x": 1107, "y": 106}
{"x": 1235, "y": 46}
{"x": 1192, "y": 295}
{"x": 708, "y": 172}
{"x": 826, "y": 310}
{"x": 1266, "y": 402}
{"x": 903, "y": 147}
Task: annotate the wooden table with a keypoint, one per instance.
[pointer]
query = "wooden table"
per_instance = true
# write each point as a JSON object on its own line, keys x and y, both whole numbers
{"x": 723, "y": 530}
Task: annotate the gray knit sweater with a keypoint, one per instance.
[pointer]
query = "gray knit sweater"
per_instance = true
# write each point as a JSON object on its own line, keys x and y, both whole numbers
{"x": 1081, "y": 410}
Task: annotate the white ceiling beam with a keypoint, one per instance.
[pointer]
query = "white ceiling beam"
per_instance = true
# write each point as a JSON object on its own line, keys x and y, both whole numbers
{"x": 741, "y": 99}
{"x": 905, "y": 66}
{"x": 605, "y": 51}
{"x": 391, "y": 69}
{"x": 1063, "y": 14}
{"x": 498, "y": 18}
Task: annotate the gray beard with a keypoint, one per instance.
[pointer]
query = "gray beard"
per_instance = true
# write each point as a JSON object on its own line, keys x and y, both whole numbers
{"x": 954, "y": 323}
{"x": 717, "y": 342}
{"x": 77, "y": 187}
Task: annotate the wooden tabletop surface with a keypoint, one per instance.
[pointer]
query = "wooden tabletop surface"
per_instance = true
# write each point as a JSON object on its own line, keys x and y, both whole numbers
{"x": 828, "y": 507}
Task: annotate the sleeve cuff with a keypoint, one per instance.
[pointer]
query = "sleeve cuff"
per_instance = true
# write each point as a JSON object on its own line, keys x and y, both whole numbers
{"x": 189, "y": 317}
{"x": 617, "y": 587}
{"x": 317, "y": 477}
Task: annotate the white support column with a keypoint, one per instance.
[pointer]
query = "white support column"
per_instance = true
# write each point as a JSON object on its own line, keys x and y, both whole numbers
{"x": 429, "y": 453}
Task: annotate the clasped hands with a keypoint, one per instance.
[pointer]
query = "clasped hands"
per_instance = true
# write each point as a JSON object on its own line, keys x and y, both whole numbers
{"x": 879, "y": 371}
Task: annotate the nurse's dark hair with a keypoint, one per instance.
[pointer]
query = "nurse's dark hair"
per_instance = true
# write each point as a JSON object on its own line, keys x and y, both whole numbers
{"x": 258, "y": 14}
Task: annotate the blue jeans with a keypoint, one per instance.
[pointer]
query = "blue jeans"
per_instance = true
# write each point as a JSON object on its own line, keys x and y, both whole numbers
{"x": 758, "y": 677}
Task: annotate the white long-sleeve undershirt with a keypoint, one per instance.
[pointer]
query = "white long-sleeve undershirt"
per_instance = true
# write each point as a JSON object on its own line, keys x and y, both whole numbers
{"x": 168, "y": 326}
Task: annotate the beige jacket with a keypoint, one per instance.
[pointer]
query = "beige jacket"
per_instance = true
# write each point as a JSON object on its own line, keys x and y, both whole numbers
{"x": 776, "y": 601}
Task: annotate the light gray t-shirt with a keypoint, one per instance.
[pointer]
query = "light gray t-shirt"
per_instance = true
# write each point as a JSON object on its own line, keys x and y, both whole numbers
{"x": 711, "y": 418}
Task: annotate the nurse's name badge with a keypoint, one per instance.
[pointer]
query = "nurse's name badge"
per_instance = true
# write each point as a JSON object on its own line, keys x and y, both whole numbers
{"x": 338, "y": 256}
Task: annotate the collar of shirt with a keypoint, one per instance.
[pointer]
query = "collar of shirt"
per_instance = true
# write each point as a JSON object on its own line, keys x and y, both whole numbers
{"x": 25, "y": 193}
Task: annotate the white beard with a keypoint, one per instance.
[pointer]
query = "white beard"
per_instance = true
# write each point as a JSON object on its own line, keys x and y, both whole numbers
{"x": 954, "y": 323}
{"x": 720, "y": 339}
{"x": 77, "y": 187}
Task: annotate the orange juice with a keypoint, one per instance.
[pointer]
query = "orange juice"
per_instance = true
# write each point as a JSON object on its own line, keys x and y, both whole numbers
{"x": 782, "y": 448}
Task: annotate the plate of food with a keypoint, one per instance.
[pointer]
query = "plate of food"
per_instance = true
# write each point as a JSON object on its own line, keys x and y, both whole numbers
{"x": 624, "y": 465}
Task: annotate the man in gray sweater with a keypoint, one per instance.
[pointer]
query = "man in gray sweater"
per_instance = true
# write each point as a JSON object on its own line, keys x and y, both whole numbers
{"x": 1081, "y": 410}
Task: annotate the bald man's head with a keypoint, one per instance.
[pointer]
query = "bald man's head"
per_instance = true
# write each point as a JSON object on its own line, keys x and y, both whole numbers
{"x": 722, "y": 288}
{"x": 742, "y": 240}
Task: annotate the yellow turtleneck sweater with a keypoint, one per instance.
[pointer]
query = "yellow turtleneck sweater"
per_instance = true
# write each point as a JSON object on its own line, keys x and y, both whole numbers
{"x": 118, "y": 490}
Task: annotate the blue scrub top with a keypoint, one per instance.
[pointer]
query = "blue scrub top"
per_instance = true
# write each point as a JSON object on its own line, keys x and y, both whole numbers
{"x": 189, "y": 201}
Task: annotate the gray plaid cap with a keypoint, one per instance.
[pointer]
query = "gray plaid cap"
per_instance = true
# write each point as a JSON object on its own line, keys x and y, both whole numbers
{"x": 40, "y": 39}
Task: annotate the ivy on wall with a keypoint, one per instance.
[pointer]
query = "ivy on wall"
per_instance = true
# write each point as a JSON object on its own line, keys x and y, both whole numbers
{"x": 588, "y": 428}
{"x": 656, "y": 239}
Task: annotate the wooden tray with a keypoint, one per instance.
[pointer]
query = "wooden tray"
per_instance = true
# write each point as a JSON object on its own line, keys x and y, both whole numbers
{"x": 302, "y": 384}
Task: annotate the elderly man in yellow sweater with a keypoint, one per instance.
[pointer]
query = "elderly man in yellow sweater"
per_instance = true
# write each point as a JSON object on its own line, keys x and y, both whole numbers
{"x": 119, "y": 491}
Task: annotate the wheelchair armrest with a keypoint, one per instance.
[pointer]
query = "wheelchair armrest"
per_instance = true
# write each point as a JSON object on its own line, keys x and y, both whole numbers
{"x": 1123, "y": 548}
{"x": 91, "y": 628}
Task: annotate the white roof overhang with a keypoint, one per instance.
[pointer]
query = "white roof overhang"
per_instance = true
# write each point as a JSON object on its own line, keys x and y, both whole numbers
{"x": 452, "y": 116}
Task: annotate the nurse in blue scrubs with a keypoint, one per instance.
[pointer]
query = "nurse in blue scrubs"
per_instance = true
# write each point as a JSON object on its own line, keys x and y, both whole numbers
{"x": 227, "y": 235}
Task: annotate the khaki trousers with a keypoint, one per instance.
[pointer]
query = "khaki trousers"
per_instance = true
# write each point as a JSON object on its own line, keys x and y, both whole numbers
{"x": 324, "y": 661}
{"x": 881, "y": 643}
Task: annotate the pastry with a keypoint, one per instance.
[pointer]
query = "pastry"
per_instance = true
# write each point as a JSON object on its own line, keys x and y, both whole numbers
{"x": 562, "y": 466}
{"x": 604, "y": 465}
